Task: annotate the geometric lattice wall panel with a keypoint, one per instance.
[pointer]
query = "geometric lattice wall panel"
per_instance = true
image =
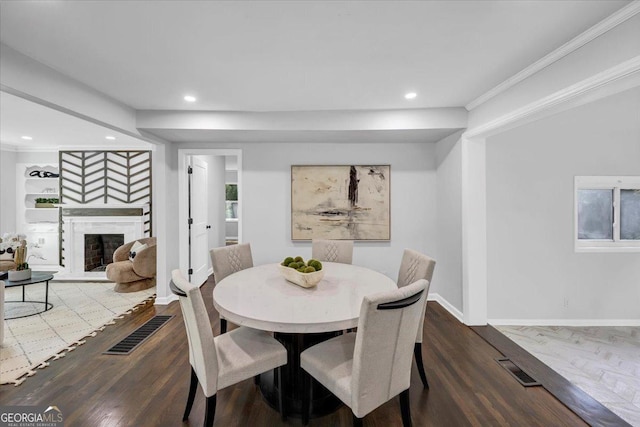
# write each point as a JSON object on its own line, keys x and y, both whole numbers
{"x": 107, "y": 177}
{"x": 100, "y": 177}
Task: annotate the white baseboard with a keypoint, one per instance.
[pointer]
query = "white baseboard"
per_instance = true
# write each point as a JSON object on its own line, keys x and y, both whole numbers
{"x": 446, "y": 304}
{"x": 166, "y": 300}
{"x": 565, "y": 322}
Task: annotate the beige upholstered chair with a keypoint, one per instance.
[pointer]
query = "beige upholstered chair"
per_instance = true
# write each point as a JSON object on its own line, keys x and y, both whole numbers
{"x": 7, "y": 264}
{"x": 228, "y": 260}
{"x": 368, "y": 368}
{"x": 227, "y": 359}
{"x": 136, "y": 275}
{"x": 332, "y": 250}
{"x": 416, "y": 266}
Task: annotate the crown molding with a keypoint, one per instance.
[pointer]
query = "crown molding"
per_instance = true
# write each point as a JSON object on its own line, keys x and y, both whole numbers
{"x": 56, "y": 149}
{"x": 8, "y": 147}
{"x": 534, "y": 109}
{"x": 38, "y": 149}
{"x": 572, "y": 45}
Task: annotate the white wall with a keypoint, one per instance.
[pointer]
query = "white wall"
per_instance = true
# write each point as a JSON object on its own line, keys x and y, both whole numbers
{"x": 447, "y": 279}
{"x": 266, "y": 194}
{"x": 231, "y": 177}
{"x": 37, "y": 157}
{"x": 7, "y": 191}
{"x": 533, "y": 271}
{"x": 165, "y": 221}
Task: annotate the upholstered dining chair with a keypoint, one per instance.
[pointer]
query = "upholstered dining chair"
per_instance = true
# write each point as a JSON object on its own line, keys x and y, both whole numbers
{"x": 227, "y": 359}
{"x": 1, "y": 311}
{"x": 332, "y": 250}
{"x": 371, "y": 366}
{"x": 227, "y": 260}
{"x": 414, "y": 266}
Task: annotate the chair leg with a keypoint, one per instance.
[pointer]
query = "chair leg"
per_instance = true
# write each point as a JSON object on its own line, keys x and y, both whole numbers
{"x": 417, "y": 352}
{"x": 223, "y": 326}
{"x": 306, "y": 397}
{"x": 192, "y": 394}
{"x": 211, "y": 411}
{"x": 283, "y": 415}
{"x": 405, "y": 409}
{"x": 357, "y": 422}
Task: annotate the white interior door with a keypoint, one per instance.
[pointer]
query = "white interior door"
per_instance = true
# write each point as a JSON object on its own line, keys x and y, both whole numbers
{"x": 198, "y": 232}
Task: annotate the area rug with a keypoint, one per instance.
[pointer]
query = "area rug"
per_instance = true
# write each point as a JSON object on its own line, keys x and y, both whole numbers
{"x": 603, "y": 361}
{"x": 80, "y": 310}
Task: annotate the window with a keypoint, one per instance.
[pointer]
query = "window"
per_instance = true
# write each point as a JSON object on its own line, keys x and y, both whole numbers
{"x": 607, "y": 213}
{"x": 231, "y": 197}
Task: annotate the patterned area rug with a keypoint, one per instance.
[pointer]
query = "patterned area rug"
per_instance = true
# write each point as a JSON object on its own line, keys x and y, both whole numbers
{"x": 80, "y": 310}
{"x": 603, "y": 361}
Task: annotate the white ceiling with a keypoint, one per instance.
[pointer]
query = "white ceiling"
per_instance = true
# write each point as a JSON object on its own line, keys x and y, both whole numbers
{"x": 294, "y": 55}
{"x": 52, "y": 129}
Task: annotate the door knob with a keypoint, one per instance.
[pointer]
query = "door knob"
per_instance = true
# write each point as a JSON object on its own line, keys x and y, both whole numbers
{"x": 208, "y": 227}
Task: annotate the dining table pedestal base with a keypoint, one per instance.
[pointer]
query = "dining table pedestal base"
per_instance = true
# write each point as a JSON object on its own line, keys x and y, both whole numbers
{"x": 322, "y": 402}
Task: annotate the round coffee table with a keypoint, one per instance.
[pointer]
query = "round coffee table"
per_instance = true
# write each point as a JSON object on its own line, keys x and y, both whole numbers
{"x": 260, "y": 298}
{"x": 36, "y": 277}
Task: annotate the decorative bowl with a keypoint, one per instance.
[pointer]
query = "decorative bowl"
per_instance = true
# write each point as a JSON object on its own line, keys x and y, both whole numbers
{"x": 306, "y": 280}
{"x": 18, "y": 275}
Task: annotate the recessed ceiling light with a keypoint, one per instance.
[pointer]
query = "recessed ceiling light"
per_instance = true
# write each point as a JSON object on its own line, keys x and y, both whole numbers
{"x": 28, "y": 138}
{"x": 410, "y": 95}
{"x": 110, "y": 138}
{"x": 190, "y": 98}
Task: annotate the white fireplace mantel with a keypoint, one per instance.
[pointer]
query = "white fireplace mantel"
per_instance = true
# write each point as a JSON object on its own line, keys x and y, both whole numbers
{"x": 101, "y": 205}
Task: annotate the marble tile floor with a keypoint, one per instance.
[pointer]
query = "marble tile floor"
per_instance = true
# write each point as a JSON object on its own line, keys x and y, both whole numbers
{"x": 603, "y": 361}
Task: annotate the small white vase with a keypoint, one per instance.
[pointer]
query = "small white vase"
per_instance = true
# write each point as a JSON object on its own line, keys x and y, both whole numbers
{"x": 17, "y": 275}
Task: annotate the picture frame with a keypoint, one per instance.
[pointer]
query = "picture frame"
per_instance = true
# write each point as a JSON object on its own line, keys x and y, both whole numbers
{"x": 341, "y": 202}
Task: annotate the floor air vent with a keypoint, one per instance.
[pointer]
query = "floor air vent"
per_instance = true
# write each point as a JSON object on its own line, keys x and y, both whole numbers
{"x": 520, "y": 375}
{"x": 138, "y": 336}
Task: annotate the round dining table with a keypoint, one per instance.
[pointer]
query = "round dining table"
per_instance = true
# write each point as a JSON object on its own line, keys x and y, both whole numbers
{"x": 261, "y": 298}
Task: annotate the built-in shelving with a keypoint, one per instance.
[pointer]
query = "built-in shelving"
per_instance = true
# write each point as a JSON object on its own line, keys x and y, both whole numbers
{"x": 39, "y": 224}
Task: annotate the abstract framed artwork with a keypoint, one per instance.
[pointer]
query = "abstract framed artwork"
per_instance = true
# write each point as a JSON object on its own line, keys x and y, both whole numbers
{"x": 341, "y": 202}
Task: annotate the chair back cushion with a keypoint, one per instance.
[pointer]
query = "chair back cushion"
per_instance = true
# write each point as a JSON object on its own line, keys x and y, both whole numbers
{"x": 135, "y": 248}
{"x": 384, "y": 347}
{"x": 332, "y": 250}
{"x": 230, "y": 259}
{"x": 122, "y": 253}
{"x": 202, "y": 349}
{"x": 416, "y": 266}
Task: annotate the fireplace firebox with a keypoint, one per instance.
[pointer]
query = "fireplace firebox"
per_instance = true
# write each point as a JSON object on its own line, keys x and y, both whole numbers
{"x": 99, "y": 249}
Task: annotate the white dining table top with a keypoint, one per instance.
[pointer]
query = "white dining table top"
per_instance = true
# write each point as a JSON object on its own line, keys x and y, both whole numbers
{"x": 259, "y": 297}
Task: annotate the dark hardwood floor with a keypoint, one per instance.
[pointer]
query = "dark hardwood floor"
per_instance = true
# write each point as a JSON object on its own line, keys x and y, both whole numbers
{"x": 149, "y": 387}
